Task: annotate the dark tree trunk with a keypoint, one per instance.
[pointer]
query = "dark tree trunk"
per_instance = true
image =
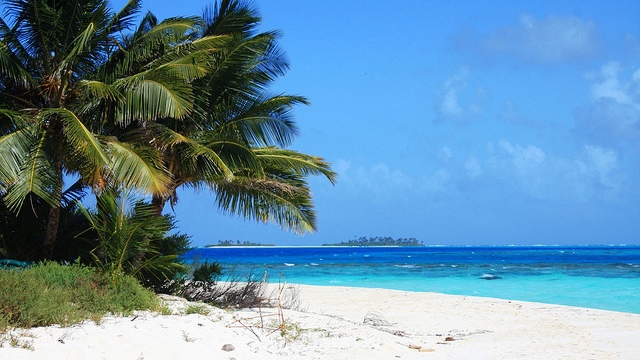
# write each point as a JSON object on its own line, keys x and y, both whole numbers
{"x": 158, "y": 204}
{"x": 51, "y": 233}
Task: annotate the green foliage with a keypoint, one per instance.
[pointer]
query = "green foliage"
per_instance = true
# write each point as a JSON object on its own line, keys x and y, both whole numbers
{"x": 49, "y": 293}
{"x": 172, "y": 279}
{"x": 128, "y": 232}
{"x": 173, "y": 103}
{"x": 379, "y": 241}
{"x": 201, "y": 309}
{"x": 207, "y": 272}
{"x": 237, "y": 243}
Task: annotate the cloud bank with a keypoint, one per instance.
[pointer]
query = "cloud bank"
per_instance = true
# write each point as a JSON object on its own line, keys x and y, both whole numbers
{"x": 549, "y": 41}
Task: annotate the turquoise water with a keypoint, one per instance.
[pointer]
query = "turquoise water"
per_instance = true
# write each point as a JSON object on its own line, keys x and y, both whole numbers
{"x": 600, "y": 277}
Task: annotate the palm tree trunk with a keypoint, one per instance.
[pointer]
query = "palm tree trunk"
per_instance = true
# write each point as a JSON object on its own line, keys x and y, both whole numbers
{"x": 158, "y": 204}
{"x": 51, "y": 233}
{"x": 53, "y": 221}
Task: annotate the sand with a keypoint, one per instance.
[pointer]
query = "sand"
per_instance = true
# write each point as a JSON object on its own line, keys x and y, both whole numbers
{"x": 344, "y": 323}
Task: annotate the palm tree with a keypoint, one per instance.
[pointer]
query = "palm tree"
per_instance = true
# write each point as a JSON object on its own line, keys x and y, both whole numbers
{"x": 125, "y": 226}
{"x": 233, "y": 142}
{"x": 181, "y": 102}
{"x": 54, "y": 102}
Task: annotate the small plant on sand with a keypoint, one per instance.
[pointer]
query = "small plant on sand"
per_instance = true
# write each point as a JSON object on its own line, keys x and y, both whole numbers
{"x": 290, "y": 331}
{"x": 165, "y": 310}
{"x": 16, "y": 339}
{"x": 279, "y": 299}
{"x": 187, "y": 338}
{"x": 200, "y": 309}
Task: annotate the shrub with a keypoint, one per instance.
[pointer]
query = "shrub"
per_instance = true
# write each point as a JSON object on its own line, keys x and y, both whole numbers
{"x": 207, "y": 272}
{"x": 50, "y": 293}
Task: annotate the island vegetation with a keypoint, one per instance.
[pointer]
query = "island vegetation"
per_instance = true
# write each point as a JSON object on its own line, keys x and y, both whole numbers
{"x": 121, "y": 110}
{"x": 237, "y": 243}
{"x": 379, "y": 241}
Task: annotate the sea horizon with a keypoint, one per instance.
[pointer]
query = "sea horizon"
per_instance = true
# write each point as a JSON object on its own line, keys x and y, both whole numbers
{"x": 421, "y": 246}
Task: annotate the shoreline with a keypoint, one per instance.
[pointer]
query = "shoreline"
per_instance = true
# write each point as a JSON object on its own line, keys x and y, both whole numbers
{"x": 332, "y": 322}
{"x": 425, "y": 245}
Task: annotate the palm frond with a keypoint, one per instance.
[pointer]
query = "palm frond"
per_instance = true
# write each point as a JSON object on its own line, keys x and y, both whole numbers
{"x": 97, "y": 90}
{"x": 170, "y": 31}
{"x": 230, "y": 16}
{"x": 81, "y": 44}
{"x": 73, "y": 194}
{"x": 268, "y": 201}
{"x": 208, "y": 161}
{"x": 14, "y": 149}
{"x": 291, "y": 160}
{"x": 267, "y": 121}
{"x": 125, "y": 17}
{"x": 195, "y": 52}
{"x": 11, "y": 68}
{"x": 126, "y": 228}
{"x": 138, "y": 168}
{"x": 83, "y": 141}
{"x": 151, "y": 97}
{"x": 37, "y": 176}
{"x": 11, "y": 120}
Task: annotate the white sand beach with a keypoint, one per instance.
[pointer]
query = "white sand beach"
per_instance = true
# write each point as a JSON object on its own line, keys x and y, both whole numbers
{"x": 345, "y": 323}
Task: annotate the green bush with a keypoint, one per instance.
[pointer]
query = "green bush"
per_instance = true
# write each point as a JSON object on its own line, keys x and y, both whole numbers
{"x": 207, "y": 272}
{"x": 50, "y": 293}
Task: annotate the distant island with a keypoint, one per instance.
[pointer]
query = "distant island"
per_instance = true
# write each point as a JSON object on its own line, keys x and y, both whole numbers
{"x": 237, "y": 243}
{"x": 379, "y": 241}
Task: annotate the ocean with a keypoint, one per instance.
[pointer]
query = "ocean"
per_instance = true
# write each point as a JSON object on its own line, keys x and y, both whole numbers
{"x": 599, "y": 277}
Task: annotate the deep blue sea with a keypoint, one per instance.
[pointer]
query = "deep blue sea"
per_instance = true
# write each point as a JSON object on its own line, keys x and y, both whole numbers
{"x": 600, "y": 277}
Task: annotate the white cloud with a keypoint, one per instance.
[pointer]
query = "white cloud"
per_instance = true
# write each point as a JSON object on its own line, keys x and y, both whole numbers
{"x": 341, "y": 166}
{"x": 607, "y": 85}
{"x": 523, "y": 156}
{"x": 440, "y": 181}
{"x": 548, "y": 41}
{"x": 531, "y": 171}
{"x": 601, "y": 164}
{"x": 449, "y": 103}
{"x": 392, "y": 177}
{"x": 473, "y": 167}
{"x": 614, "y": 114}
{"x": 591, "y": 174}
{"x": 379, "y": 180}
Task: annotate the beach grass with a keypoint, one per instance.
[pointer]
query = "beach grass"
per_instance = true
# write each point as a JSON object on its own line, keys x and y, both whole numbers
{"x": 50, "y": 293}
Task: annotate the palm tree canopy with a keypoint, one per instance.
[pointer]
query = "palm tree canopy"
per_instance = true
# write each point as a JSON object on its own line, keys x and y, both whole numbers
{"x": 153, "y": 107}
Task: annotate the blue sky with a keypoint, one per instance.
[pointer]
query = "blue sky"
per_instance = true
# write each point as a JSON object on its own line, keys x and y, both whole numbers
{"x": 456, "y": 122}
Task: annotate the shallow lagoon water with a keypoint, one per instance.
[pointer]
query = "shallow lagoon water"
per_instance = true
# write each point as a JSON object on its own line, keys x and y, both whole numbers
{"x": 601, "y": 277}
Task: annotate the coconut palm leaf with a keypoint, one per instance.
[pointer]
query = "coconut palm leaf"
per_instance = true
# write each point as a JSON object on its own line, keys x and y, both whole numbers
{"x": 266, "y": 121}
{"x": 297, "y": 162}
{"x": 152, "y": 96}
{"x": 79, "y": 137}
{"x": 126, "y": 227}
{"x": 268, "y": 201}
{"x": 81, "y": 44}
{"x": 229, "y": 17}
{"x": 11, "y": 68}
{"x": 97, "y": 90}
{"x": 13, "y": 149}
{"x": 137, "y": 168}
{"x": 37, "y": 176}
{"x": 124, "y": 18}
